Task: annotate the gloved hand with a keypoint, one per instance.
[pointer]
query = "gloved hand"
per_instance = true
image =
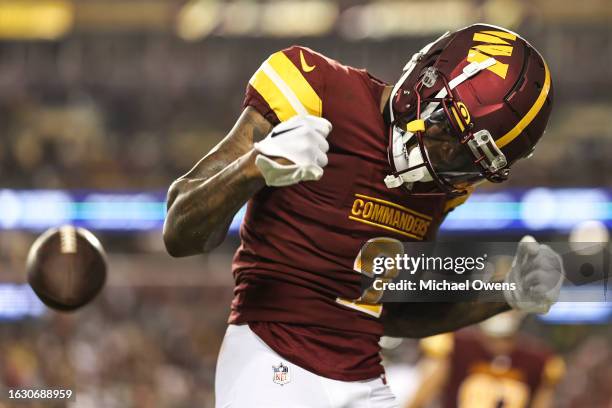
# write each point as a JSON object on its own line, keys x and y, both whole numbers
{"x": 301, "y": 140}
{"x": 537, "y": 271}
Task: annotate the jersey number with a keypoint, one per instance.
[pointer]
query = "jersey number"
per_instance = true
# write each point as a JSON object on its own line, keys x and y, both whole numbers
{"x": 381, "y": 247}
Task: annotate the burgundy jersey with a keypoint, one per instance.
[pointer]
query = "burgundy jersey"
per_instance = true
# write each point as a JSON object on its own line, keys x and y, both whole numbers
{"x": 294, "y": 272}
{"x": 479, "y": 378}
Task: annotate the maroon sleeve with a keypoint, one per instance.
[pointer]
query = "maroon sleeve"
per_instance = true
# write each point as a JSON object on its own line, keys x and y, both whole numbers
{"x": 315, "y": 78}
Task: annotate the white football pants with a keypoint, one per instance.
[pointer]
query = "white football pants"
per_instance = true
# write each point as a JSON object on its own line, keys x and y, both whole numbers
{"x": 251, "y": 375}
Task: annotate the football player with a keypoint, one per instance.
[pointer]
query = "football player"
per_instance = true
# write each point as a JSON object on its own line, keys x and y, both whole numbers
{"x": 488, "y": 367}
{"x": 329, "y": 157}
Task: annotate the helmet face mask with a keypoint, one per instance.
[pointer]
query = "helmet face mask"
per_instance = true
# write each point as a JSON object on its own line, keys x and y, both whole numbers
{"x": 451, "y": 159}
{"x": 456, "y": 115}
{"x": 448, "y": 163}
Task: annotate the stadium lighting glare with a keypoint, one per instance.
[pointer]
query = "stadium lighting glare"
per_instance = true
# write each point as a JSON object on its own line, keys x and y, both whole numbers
{"x": 197, "y": 19}
{"x": 504, "y": 211}
{"x": 30, "y": 19}
{"x": 123, "y": 16}
{"x": 298, "y": 18}
{"x": 18, "y": 301}
{"x": 397, "y": 18}
{"x": 589, "y": 237}
{"x": 239, "y": 18}
{"x": 507, "y": 13}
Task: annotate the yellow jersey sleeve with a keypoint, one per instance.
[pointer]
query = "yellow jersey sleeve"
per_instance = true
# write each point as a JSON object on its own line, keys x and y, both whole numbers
{"x": 288, "y": 83}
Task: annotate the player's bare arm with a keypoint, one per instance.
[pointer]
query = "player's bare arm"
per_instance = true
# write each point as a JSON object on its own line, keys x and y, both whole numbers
{"x": 537, "y": 272}
{"x": 419, "y": 320}
{"x": 202, "y": 203}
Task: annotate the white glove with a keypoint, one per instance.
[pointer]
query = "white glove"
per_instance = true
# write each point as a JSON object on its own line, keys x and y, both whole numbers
{"x": 300, "y": 140}
{"x": 537, "y": 271}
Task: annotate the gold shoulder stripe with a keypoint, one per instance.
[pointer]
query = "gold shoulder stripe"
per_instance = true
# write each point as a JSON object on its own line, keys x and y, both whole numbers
{"x": 272, "y": 95}
{"x": 285, "y": 89}
{"x": 292, "y": 76}
{"x": 533, "y": 112}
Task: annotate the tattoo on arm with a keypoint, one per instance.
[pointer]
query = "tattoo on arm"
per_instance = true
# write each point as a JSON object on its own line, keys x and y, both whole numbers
{"x": 203, "y": 202}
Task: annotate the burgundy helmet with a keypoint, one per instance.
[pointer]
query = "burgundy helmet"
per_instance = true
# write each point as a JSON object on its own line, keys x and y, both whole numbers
{"x": 466, "y": 108}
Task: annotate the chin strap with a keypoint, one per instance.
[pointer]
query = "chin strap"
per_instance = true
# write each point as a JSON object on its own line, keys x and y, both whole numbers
{"x": 392, "y": 181}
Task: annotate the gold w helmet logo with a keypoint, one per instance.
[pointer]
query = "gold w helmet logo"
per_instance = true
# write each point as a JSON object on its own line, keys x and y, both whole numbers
{"x": 492, "y": 44}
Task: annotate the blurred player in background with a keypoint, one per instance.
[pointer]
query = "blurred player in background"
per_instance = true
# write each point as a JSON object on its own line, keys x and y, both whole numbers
{"x": 489, "y": 367}
{"x": 329, "y": 158}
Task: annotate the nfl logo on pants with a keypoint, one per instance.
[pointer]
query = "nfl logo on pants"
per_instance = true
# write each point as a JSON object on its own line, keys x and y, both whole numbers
{"x": 280, "y": 374}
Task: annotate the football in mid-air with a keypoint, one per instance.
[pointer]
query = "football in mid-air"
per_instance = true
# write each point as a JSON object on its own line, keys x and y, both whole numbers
{"x": 66, "y": 267}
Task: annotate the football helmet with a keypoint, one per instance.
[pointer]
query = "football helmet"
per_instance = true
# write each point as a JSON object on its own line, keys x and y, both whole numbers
{"x": 466, "y": 107}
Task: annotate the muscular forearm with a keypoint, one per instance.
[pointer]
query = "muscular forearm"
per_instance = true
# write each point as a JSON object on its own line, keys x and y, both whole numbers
{"x": 427, "y": 319}
{"x": 203, "y": 202}
{"x": 200, "y": 210}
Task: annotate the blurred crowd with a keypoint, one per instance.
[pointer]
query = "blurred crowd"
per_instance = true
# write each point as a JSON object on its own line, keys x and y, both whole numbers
{"x": 137, "y": 111}
{"x": 587, "y": 382}
{"x": 101, "y": 141}
{"x": 134, "y": 111}
{"x": 143, "y": 348}
{"x": 92, "y": 140}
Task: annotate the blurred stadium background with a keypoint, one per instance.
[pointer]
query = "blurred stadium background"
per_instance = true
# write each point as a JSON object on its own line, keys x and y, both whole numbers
{"x": 104, "y": 102}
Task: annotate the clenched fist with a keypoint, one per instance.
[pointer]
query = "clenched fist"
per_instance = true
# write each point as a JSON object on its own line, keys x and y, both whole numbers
{"x": 301, "y": 142}
{"x": 537, "y": 272}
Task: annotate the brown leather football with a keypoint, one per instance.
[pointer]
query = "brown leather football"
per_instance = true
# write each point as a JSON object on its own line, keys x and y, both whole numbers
{"x": 66, "y": 267}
